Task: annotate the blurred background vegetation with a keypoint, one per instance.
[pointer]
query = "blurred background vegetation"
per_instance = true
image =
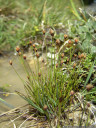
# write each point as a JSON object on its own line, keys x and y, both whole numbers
{"x": 21, "y": 19}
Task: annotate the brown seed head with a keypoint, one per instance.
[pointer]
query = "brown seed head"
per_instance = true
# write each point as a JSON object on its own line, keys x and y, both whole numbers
{"x": 33, "y": 45}
{"x": 72, "y": 93}
{"x": 35, "y": 49}
{"x": 51, "y": 32}
{"x": 57, "y": 41}
{"x": 39, "y": 74}
{"x": 65, "y": 36}
{"x": 74, "y": 65}
{"x": 10, "y": 62}
{"x": 43, "y": 32}
{"x": 75, "y": 55}
{"x": 30, "y": 42}
{"x": 82, "y": 97}
{"x": 24, "y": 57}
{"x": 19, "y": 53}
{"x": 67, "y": 59}
{"x": 76, "y": 41}
{"x": 45, "y": 107}
{"x": 82, "y": 55}
{"x": 79, "y": 57}
{"x": 61, "y": 99}
{"x": 56, "y": 65}
{"x": 37, "y": 55}
{"x": 42, "y": 60}
{"x": 70, "y": 42}
{"x": 28, "y": 77}
{"x": 88, "y": 104}
{"x": 62, "y": 62}
{"x": 17, "y": 48}
{"x": 89, "y": 87}
{"x": 62, "y": 55}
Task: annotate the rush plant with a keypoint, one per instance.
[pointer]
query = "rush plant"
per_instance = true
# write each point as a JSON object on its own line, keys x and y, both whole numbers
{"x": 52, "y": 92}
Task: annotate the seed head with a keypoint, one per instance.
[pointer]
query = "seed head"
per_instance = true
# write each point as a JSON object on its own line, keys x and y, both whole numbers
{"x": 62, "y": 55}
{"x": 65, "y": 36}
{"x": 82, "y": 55}
{"x": 76, "y": 41}
{"x": 75, "y": 55}
{"x": 61, "y": 99}
{"x": 35, "y": 49}
{"x": 72, "y": 93}
{"x": 30, "y": 42}
{"x": 10, "y": 62}
{"x": 82, "y": 97}
{"x": 43, "y": 32}
{"x": 45, "y": 107}
{"x": 67, "y": 59}
{"x": 70, "y": 42}
{"x": 39, "y": 74}
{"x": 28, "y": 77}
{"x": 57, "y": 41}
{"x": 33, "y": 45}
{"x": 37, "y": 55}
{"x": 79, "y": 57}
{"x": 19, "y": 53}
{"x": 51, "y": 32}
{"x": 88, "y": 104}
{"x": 74, "y": 65}
{"x": 42, "y": 60}
{"x": 17, "y": 48}
{"x": 62, "y": 62}
{"x": 89, "y": 87}
{"x": 24, "y": 57}
{"x": 56, "y": 65}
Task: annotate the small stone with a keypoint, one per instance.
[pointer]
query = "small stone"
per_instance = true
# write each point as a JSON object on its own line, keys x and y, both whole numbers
{"x": 10, "y": 62}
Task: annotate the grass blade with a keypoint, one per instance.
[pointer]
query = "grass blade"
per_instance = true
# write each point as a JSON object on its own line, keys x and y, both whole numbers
{"x": 90, "y": 73}
{"x": 30, "y": 102}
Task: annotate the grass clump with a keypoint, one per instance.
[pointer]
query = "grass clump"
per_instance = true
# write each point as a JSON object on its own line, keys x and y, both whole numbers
{"x": 54, "y": 93}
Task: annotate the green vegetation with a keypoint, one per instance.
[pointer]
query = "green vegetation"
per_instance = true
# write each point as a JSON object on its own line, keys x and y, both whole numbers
{"x": 69, "y": 79}
{"x": 53, "y": 92}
